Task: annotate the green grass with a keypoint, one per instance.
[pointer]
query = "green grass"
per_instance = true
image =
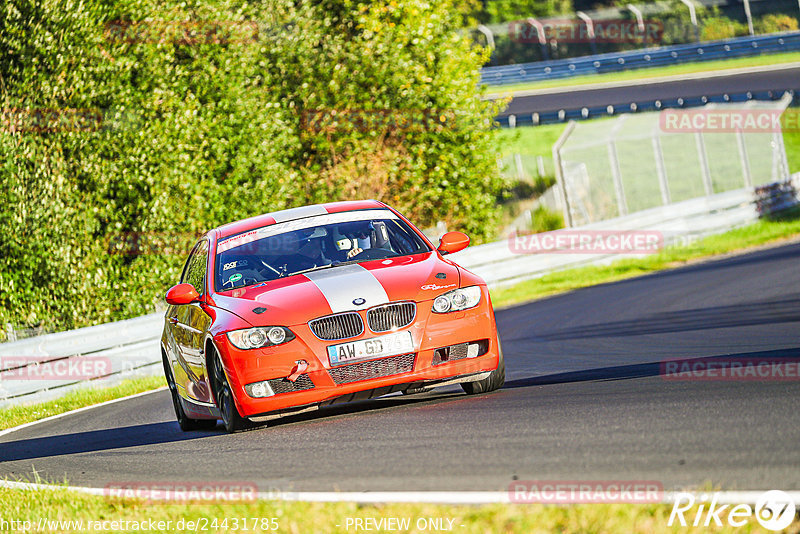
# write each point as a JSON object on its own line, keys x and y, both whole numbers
{"x": 653, "y": 72}
{"x": 544, "y": 220}
{"x": 25, "y": 413}
{"x": 792, "y": 142}
{"x": 528, "y": 140}
{"x": 305, "y": 517}
{"x": 760, "y": 233}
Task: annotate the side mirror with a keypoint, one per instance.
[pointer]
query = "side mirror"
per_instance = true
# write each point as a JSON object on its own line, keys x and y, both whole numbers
{"x": 182, "y": 294}
{"x": 453, "y": 242}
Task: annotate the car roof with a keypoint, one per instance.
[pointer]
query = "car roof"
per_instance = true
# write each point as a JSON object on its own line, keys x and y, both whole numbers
{"x": 291, "y": 214}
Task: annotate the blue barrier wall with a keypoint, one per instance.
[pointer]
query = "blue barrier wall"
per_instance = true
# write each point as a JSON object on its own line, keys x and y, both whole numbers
{"x": 651, "y": 57}
{"x": 510, "y": 120}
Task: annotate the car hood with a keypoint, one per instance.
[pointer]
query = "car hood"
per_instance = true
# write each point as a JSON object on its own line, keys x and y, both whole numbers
{"x": 297, "y": 299}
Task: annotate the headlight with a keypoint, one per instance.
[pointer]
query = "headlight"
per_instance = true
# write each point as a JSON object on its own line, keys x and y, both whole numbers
{"x": 262, "y": 336}
{"x": 458, "y": 299}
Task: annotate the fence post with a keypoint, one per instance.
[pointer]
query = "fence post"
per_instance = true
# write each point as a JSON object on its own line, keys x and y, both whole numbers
{"x": 559, "y": 167}
{"x": 520, "y": 169}
{"x": 11, "y": 335}
{"x": 748, "y": 177}
{"x": 780, "y": 148}
{"x": 616, "y": 174}
{"x": 489, "y": 40}
{"x": 661, "y": 169}
{"x": 704, "y": 168}
{"x": 749, "y": 16}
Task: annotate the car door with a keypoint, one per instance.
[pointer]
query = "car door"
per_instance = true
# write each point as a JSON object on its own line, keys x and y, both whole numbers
{"x": 190, "y": 323}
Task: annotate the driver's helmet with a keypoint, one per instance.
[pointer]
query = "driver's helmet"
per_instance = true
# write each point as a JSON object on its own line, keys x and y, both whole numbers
{"x": 354, "y": 235}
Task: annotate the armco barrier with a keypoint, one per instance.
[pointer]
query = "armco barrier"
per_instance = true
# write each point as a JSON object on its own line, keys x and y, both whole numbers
{"x": 132, "y": 346}
{"x": 679, "y": 222}
{"x": 129, "y": 348}
{"x": 564, "y": 115}
{"x": 650, "y": 57}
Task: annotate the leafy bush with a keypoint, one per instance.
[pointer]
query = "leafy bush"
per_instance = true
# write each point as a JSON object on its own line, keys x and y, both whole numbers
{"x": 774, "y": 23}
{"x": 135, "y": 118}
{"x": 715, "y": 28}
{"x": 544, "y": 220}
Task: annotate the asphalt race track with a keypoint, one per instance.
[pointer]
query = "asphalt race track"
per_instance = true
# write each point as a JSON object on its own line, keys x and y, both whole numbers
{"x": 774, "y": 80}
{"x": 583, "y": 401}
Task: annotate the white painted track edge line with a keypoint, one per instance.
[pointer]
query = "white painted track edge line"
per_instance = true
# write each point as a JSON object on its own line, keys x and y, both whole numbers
{"x": 78, "y": 410}
{"x": 428, "y": 497}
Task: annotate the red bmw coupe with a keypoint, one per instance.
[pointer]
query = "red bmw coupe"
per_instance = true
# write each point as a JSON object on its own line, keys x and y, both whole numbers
{"x": 311, "y": 306}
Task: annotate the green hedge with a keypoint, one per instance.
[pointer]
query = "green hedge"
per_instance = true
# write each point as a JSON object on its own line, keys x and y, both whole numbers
{"x": 135, "y": 118}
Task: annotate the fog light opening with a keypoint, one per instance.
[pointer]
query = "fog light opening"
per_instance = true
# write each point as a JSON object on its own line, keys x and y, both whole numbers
{"x": 259, "y": 390}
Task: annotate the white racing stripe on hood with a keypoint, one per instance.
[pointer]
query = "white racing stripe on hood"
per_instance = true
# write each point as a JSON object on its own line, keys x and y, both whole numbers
{"x": 341, "y": 285}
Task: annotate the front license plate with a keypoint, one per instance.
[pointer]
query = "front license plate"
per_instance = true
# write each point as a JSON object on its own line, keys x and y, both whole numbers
{"x": 368, "y": 349}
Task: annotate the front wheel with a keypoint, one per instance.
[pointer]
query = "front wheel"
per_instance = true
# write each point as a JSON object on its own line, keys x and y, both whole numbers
{"x": 494, "y": 381}
{"x": 186, "y": 423}
{"x": 222, "y": 391}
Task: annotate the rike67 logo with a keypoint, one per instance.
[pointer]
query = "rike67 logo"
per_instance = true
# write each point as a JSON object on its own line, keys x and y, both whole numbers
{"x": 774, "y": 510}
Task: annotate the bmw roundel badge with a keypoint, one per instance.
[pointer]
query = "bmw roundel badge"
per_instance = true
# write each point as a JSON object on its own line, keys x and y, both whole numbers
{"x": 359, "y": 301}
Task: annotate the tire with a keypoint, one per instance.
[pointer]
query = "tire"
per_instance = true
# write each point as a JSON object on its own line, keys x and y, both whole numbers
{"x": 186, "y": 423}
{"x": 494, "y": 381}
{"x": 224, "y": 396}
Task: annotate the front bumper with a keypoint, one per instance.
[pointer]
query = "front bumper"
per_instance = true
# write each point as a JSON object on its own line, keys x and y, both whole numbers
{"x": 321, "y": 383}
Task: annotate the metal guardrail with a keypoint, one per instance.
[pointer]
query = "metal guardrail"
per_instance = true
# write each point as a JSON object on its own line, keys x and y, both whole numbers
{"x": 132, "y": 346}
{"x": 638, "y": 59}
{"x": 564, "y": 115}
{"x": 678, "y": 223}
{"x": 43, "y": 367}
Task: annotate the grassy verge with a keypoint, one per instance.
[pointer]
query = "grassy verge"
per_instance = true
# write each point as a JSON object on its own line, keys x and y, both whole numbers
{"x": 760, "y": 233}
{"x": 530, "y": 140}
{"x": 792, "y": 142}
{"x": 653, "y": 72}
{"x": 18, "y": 415}
{"x": 307, "y": 517}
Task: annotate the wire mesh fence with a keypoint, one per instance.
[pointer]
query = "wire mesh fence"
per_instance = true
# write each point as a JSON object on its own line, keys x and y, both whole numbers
{"x": 613, "y": 167}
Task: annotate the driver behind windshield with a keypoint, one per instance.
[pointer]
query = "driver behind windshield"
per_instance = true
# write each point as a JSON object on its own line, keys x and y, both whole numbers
{"x": 355, "y": 240}
{"x": 304, "y": 251}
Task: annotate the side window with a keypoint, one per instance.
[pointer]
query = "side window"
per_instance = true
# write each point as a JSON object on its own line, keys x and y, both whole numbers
{"x": 195, "y": 271}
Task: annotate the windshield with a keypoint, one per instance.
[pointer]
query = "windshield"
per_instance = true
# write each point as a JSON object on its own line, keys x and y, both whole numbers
{"x": 304, "y": 245}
